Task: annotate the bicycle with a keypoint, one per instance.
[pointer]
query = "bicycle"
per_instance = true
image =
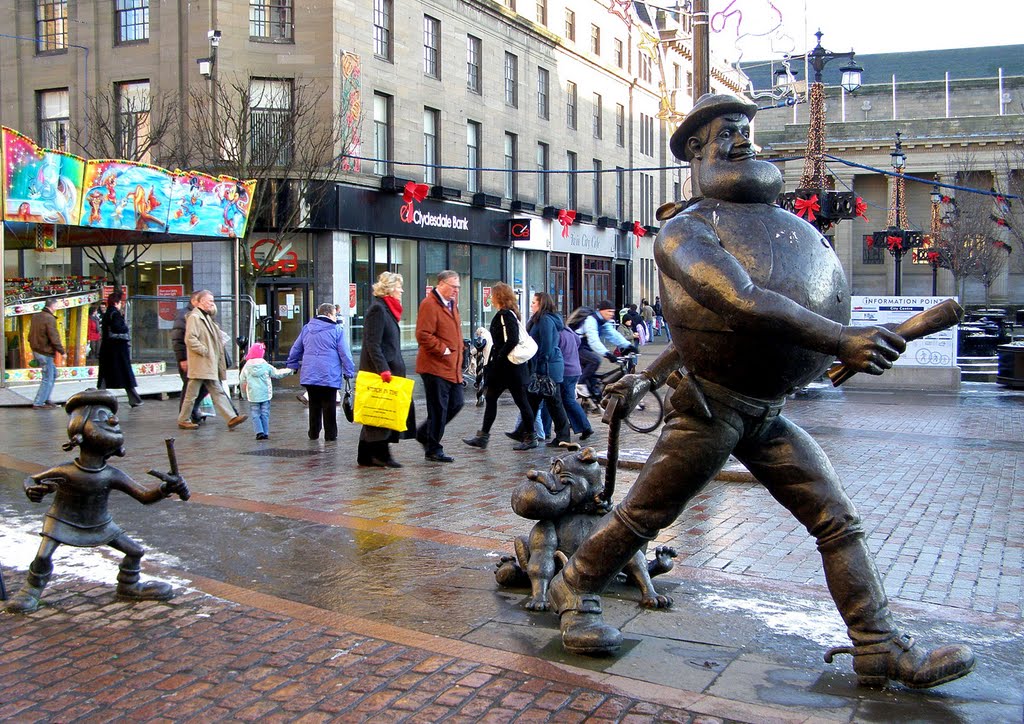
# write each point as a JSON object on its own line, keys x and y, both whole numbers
{"x": 649, "y": 412}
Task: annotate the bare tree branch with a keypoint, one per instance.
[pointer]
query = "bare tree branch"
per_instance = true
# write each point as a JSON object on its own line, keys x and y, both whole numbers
{"x": 280, "y": 132}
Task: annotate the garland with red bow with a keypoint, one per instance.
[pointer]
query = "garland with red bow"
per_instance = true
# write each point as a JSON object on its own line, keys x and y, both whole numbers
{"x": 414, "y": 191}
{"x": 805, "y": 208}
{"x": 638, "y": 231}
{"x": 861, "y": 209}
{"x": 566, "y": 217}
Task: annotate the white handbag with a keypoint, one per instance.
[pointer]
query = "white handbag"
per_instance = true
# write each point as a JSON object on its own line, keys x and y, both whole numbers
{"x": 525, "y": 348}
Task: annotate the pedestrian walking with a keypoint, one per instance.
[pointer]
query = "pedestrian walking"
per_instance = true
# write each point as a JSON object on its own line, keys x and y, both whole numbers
{"x": 569, "y": 344}
{"x": 503, "y": 375}
{"x": 647, "y": 314}
{"x": 93, "y": 334}
{"x": 206, "y": 363}
{"x": 44, "y": 339}
{"x": 256, "y": 381}
{"x": 659, "y": 318}
{"x": 181, "y": 356}
{"x": 382, "y": 355}
{"x": 115, "y": 368}
{"x": 545, "y": 326}
{"x": 322, "y": 358}
{"x": 439, "y": 362}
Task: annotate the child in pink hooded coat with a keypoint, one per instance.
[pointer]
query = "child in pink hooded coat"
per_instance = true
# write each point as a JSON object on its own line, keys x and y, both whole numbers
{"x": 256, "y": 381}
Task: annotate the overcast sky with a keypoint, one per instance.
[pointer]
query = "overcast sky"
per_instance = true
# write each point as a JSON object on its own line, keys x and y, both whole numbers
{"x": 866, "y": 26}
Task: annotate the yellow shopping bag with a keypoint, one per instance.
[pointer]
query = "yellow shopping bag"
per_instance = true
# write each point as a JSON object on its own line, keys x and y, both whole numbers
{"x": 382, "y": 404}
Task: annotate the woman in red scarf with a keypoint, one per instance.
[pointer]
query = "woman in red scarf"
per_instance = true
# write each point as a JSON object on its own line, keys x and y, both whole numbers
{"x": 382, "y": 354}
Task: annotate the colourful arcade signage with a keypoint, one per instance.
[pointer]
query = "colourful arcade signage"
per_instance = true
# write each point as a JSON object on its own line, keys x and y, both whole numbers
{"x": 52, "y": 187}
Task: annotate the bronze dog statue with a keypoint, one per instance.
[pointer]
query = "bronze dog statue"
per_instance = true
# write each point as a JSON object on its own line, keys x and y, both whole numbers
{"x": 566, "y": 501}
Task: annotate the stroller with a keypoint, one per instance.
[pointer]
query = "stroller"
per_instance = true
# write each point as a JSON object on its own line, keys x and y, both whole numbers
{"x": 474, "y": 359}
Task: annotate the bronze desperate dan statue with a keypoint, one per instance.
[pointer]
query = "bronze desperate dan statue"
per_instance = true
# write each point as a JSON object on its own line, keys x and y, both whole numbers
{"x": 758, "y": 306}
{"x": 79, "y": 515}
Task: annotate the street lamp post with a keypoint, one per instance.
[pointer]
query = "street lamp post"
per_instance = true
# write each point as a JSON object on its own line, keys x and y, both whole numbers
{"x": 815, "y": 199}
{"x": 898, "y": 240}
{"x": 934, "y": 255}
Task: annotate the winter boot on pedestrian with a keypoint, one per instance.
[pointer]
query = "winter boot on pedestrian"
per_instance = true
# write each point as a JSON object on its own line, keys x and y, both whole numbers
{"x": 27, "y": 599}
{"x": 529, "y": 442}
{"x": 128, "y": 586}
{"x": 479, "y": 440}
{"x": 901, "y": 659}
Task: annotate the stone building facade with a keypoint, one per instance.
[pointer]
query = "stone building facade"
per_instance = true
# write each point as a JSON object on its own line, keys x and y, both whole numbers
{"x": 947, "y": 105}
{"x": 524, "y": 93}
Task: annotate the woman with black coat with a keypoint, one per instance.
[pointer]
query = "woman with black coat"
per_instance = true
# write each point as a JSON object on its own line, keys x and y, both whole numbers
{"x": 501, "y": 374}
{"x": 382, "y": 354}
{"x": 115, "y": 359}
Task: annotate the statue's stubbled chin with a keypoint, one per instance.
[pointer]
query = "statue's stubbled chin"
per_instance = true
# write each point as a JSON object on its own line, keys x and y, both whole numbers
{"x": 747, "y": 181}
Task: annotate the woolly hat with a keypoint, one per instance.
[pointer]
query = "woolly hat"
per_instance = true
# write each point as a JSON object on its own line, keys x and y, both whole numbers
{"x": 605, "y": 304}
{"x": 257, "y": 350}
{"x": 707, "y": 107}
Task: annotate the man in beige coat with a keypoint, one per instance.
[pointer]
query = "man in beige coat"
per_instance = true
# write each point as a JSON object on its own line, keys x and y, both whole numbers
{"x": 206, "y": 362}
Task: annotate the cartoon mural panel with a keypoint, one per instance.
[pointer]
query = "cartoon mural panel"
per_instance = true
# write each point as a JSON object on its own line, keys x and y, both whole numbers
{"x": 52, "y": 187}
{"x": 40, "y": 185}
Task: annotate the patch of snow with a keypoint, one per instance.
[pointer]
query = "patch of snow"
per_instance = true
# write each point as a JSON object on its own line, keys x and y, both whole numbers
{"x": 794, "y": 616}
{"x": 19, "y": 540}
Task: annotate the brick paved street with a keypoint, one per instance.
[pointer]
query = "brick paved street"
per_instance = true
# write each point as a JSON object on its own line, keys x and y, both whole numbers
{"x": 289, "y": 555}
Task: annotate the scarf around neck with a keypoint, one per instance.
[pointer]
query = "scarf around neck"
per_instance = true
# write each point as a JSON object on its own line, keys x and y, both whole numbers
{"x": 394, "y": 305}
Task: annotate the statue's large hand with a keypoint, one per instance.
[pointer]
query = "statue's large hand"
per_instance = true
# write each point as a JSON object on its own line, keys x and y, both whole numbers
{"x": 37, "y": 490}
{"x": 870, "y": 349}
{"x": 630, "y": 389}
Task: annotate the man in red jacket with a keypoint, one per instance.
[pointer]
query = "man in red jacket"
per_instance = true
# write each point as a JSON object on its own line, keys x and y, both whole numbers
{"x": 439, "y": 362}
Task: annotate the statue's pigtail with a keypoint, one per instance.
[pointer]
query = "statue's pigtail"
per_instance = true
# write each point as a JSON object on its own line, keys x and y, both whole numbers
{"x": 74, "y": 441}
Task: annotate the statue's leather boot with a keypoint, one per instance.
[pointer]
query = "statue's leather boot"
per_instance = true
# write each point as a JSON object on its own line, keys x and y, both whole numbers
{"x": 128, "y": 586}
{"x": 902, "y": 660}
{"x": 583, "y": 629}
{"x": 27, "y": 599}
{"x": 479, "y": 440}
{"x": 880, "y": 652}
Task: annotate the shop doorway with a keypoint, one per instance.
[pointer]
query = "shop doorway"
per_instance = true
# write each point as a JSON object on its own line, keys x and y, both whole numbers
{"x": 281, "y": 313}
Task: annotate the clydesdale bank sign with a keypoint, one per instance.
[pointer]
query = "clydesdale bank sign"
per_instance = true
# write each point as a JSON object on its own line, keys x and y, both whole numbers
{"x": 376, "y": 212}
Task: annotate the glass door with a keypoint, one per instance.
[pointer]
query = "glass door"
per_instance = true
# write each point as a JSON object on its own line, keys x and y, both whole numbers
{"x": 282, "y": 309}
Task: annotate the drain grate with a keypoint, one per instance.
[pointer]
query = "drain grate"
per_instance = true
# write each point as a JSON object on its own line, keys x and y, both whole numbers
{"x": 280, "y": 452}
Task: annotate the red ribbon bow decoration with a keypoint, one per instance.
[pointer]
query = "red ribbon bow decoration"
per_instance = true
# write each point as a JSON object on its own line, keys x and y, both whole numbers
{"x": 805, "y": 208}
{"x": 415, "y": 191}
{"x": 860, "y": 209}
{"x": 933, "y": 257}
{"x": 565, "y": 218}
{"x": 895, "y": 243}
{"x": 638, "y": 231}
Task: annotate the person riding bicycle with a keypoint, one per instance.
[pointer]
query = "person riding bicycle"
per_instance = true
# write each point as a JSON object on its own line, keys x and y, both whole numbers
{"x": 597, "y": 331}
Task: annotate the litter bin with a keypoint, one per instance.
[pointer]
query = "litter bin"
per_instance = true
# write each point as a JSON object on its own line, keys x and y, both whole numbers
{"x": 1010, "y": 371}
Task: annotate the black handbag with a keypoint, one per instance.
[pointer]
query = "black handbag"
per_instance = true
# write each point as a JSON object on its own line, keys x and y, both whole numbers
{"x": 347, "y": 402}
{"x": 541, "y": 385}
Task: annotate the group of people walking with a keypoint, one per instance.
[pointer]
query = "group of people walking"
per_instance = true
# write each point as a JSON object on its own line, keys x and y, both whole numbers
{"x": 543, "y": 387}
